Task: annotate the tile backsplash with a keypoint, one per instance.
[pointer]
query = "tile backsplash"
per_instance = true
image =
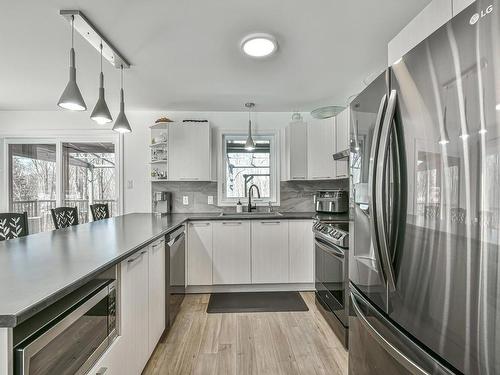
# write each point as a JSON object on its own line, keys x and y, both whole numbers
{"x": 295, "y": 195}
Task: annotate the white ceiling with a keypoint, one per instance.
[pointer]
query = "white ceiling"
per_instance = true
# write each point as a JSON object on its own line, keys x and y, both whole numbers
{"x": 185, "y": 53}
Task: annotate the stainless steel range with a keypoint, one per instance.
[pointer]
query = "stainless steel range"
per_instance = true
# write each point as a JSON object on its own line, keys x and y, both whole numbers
{"x": 331, "y": 243}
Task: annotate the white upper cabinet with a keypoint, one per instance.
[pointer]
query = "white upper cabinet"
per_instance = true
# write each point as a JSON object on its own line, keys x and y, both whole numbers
{"x": 296, "y": 151}
{"x": 320, "y": 149}
{"x": 433, "y": 16}
{"x": 301, "y": 251}
{"x": 156, "y": 293}
{"x": 199, "y": 254}
{"x": 342, "y": 142}
{"x": 270, "y": 252}
{"x": 189, "y": 151}
{"x": 231, "y": 252}
{"x": 459, "y": 5}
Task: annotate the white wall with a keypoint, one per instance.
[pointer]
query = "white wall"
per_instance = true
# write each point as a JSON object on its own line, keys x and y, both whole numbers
{"x": 135, "y": 145}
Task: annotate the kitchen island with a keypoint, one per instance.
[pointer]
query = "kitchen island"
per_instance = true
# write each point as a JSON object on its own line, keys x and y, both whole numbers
{"x": 40, "y": 269}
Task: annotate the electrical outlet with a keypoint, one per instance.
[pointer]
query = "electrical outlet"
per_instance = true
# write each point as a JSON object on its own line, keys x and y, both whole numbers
{"x": 130, "y": 184}
{"x": 210, "y": 199}
{"x": 185, "y": 200}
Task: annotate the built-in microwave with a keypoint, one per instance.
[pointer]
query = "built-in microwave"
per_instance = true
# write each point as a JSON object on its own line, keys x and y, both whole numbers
{"x": 69, "y": 336}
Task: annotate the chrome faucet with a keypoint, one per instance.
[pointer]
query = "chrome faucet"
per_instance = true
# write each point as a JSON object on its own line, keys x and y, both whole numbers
{"x": 250, "y": 207}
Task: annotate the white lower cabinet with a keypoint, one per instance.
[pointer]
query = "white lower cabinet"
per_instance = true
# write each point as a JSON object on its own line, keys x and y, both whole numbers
{"x": 199, "y": 254}
{"x": 231, "y": 252}
{"x": 111, "y": 363}
{"x": 301, "y": 251}
{"x": 135, "y": 311}
{"x": 269, "y": 252}
{"x": 156, "y": 293}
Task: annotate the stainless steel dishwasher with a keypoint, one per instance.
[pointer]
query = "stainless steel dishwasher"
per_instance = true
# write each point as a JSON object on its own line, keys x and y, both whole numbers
{"x": 176, "y": 277}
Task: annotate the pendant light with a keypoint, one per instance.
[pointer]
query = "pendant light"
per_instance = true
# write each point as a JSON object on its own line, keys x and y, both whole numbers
{"x": 101, "y": 113}
{"x": 121, "y": 124}
{"x": 71, "y": 97}
{"x": 250, "y": 144}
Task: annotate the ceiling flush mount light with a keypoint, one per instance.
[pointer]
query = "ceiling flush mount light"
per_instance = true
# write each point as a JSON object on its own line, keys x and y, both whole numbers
{"x": 249, "y": 144}
{"x": 121, "y": 124}
{"x": 259, "y": 45}
{"x": 71, "y": 97}
{"x": 101, "y": 113}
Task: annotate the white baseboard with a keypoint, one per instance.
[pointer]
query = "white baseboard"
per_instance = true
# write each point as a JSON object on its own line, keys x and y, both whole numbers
{"x": 301, "y": 287}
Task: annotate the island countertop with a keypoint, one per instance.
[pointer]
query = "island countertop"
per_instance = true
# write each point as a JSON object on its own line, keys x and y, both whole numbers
{"x": 39, "y": 269}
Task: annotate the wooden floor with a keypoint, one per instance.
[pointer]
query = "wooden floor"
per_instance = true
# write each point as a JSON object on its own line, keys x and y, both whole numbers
{"x": 257, "y": 343}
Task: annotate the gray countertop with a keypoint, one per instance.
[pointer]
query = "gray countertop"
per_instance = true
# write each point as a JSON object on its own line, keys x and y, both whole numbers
{"x": 41, "y": 268}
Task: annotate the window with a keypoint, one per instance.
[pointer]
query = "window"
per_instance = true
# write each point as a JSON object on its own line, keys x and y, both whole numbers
{"x": 243, "y": 168}
{"x": 51, "y": 173}
{"x": 32, "y": 183}
{"x": 89, "y": 176}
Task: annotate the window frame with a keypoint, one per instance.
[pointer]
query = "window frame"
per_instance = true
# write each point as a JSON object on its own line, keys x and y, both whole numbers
{"x": 274, "y": 169}
{"x": 116, "y": 139}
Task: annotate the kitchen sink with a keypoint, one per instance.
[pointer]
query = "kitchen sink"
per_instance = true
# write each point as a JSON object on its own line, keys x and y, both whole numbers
{"x": 250, "y": 214}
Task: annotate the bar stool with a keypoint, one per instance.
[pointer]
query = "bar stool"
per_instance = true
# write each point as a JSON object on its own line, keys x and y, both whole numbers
{"x": 99, "y": 211}
{"x": 13, "y": 225}
{"x": 64, "y": 217}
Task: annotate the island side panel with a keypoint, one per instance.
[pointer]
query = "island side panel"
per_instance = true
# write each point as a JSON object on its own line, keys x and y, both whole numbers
{"x": 6, "y": 367}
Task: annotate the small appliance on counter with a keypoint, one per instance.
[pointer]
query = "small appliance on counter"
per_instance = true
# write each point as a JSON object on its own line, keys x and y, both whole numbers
{"x": 162, "y": 202}
{"x": 332, "y": 201}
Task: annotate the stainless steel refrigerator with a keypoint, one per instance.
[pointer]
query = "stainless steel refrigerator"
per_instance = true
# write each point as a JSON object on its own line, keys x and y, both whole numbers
{"x": 425, "y": 166}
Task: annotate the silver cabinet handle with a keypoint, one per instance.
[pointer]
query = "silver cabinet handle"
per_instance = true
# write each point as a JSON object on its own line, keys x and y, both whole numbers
{"x": 137, "y": 257}
{"x": 298, "y": 178}
{"x": 199, "y": 224}
{"x": 232, "y": 223}
{"x": 270, "y": 222}
{"x": 321, "y": 177}
{"x": 406, "y": 362}
{"x": 102, "y": 371}
{"x": 154, "y": 246}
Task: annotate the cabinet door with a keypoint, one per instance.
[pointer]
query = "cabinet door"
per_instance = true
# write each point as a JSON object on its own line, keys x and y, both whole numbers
{"x": 301, "y": 248}
{"x": 189, "y": 152}
{"x": 199, "y": 253}
{"x": 320, "y": 149}
{"x": 296, "y": 151}
{"x": 269, "y": 252}
{"x": 111, "y": 363}
{"x": 156, "y": 293}
{"x": 342, "y": 142}
{"x": 459, "y": 5}
{"x": 432, "y": 17}
{"x": 231, "y": 252}
{"x": 134, "y": 310}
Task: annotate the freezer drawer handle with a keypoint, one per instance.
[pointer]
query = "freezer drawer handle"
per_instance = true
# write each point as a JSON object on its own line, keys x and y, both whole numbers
{"x": 389, "y": 348}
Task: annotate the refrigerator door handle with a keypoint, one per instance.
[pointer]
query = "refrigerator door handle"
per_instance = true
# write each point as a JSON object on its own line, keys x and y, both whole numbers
{"x": 402, "y": 359}
{"x": 381, "y": 169}
{"x": 372, "y": 170}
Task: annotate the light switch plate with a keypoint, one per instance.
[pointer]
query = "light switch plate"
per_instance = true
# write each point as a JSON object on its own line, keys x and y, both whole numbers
{"x": 130, "y": 184}
{"x": 210, "y": 199}
{"x": 185, "y": 200}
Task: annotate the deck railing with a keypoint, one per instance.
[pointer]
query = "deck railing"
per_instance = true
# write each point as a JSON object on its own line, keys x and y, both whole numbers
{"x": 39, "y": 210}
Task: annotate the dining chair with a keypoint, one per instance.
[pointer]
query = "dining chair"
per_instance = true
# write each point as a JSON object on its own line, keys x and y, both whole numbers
{"x": 99, "y": 211}
{"x": 13, "y": 225}
{"x": 64, "y": 217}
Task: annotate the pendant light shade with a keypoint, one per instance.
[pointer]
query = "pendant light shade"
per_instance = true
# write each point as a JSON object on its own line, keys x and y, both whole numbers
{"x": 71, "y": 97}
{"x": 121, "y": 124}
{"x": 249, "y": 144}
{"x": 101, "y": 113}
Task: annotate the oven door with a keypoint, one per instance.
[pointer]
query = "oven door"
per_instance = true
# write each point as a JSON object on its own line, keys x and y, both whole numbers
{"x": 333, "y": 277}
{"x": 73, "y": 342}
